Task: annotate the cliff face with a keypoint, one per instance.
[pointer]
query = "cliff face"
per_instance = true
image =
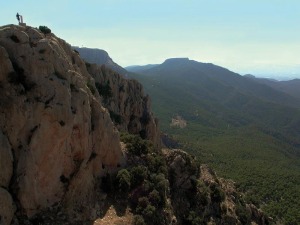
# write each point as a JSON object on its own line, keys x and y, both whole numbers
{"x": 57, "y": 137}
{"x": 128, "y": 106}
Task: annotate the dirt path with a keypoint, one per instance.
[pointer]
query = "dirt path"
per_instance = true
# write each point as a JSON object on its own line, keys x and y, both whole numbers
{"x": 111, "y": 218}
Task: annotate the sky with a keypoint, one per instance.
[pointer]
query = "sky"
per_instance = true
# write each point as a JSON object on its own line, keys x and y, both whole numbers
{"x": 260, "y": 37}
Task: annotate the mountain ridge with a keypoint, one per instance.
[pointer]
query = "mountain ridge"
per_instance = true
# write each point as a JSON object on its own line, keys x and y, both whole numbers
{"x": 100, "y": 57}
{"x": 211, "y": 71}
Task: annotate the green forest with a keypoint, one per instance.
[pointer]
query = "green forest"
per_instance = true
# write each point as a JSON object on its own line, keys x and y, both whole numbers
{"x": 247, "y": 132}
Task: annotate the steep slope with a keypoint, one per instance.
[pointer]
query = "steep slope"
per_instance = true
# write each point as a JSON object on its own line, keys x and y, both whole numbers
{"x": 168, "y": 187}
{"x": 129, "y": 108}
{"x": 100, "y": 57}
{"x": 57, "y": 138}
{"x": 243, "y": 133}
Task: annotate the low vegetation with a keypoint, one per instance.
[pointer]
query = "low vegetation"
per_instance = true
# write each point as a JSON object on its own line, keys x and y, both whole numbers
{"x": 44, "y": 29}
{"x": 161, "y": 188}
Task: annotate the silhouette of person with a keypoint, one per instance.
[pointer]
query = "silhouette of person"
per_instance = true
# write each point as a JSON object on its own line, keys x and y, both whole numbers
{"x": 18, "y": 17}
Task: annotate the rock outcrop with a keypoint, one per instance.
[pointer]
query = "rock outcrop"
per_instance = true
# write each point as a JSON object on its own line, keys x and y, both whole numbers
{"x": 198, "y": 196}
{"x": 56, "y": 134}
{"x": 128, "y": 106}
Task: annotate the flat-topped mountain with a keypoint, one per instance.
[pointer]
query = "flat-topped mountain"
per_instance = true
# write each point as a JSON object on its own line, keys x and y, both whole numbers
{"x": 209, "y": 75}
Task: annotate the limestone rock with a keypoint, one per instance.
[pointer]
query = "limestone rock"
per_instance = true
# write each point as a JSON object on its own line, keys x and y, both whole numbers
{"x": 7, "y": 208}
{"x": 54, "y": 123}
{"x": 129, "y": 107}
{"x": 183, "y": 168}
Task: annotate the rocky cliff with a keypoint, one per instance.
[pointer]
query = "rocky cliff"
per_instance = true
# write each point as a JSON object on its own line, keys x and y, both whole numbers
{"x": 57, "y": 136}
{"x": 129, "y": 108}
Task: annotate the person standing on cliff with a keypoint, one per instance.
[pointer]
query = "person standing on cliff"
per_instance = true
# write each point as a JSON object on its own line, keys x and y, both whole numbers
{"x": 18, "y": 17}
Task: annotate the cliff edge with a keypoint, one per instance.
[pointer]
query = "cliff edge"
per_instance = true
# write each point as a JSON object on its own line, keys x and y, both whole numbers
{"x": 57, "y": 137}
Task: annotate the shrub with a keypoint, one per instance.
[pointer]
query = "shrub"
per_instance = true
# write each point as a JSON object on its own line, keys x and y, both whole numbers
{"x": 123, "y": 179}
{"x": 243, "y": 214}
{"x": 194, "y": 219}
{"x": 161, "y": 184}
{"x": 155, "y": 198}
{"x": 157, "y": 164}
{"x": 136, "y": 145}
{"x": 138, "y": 220}
{"x": 44, "y": 29}
{"x": 143, "y": 202}
{"x": 202, "y": 193}
{"x": 138, "y": 175}
{"x": 149, "y": 212}
{"x": 217, "y": 195}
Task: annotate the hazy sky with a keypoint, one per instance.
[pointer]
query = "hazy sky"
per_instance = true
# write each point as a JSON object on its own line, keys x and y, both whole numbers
{"x": 246, "y": 36}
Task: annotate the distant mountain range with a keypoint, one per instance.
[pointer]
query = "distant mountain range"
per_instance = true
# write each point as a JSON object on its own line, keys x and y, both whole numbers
{"x": 100, "y": 57}
{"x": 247, "y": 128}
{"x": 291, "y": 87}
{"x": 140, "y": 68}
{"x": 207, "y": 73}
